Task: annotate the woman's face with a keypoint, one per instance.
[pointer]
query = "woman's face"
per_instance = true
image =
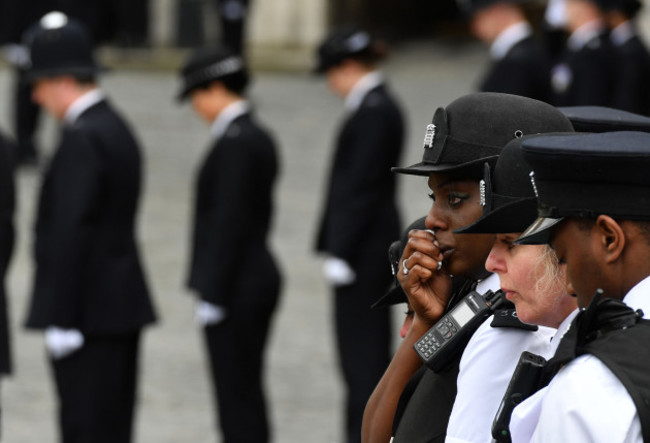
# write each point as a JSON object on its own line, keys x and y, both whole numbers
{"x": 456, "y": 204}
{"x": 531, "y": 279}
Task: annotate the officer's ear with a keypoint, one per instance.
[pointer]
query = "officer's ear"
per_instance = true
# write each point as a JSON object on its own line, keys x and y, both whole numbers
{"x": 611, "y": 238}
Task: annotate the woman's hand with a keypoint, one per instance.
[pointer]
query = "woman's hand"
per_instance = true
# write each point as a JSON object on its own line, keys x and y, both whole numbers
{"x": 423, "y": 277}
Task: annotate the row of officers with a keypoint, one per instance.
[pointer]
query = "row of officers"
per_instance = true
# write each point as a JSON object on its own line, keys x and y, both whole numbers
{"x": 91, "y": 298}
{"x": 585, "y": 52}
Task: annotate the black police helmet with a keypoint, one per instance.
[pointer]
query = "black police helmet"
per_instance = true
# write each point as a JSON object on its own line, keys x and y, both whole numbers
{"x": 61, "y": 45}
{"x": 473, "y": 129}
{"x": 206, "y": 65}
{"x": 343, "y": 43}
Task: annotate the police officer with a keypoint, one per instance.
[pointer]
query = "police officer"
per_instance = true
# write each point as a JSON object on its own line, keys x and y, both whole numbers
{"x": 584, "y": 72}
{"x": 469, "y": 132}
{"x": 360, "y": 217}
{"x": 7, "y": 239}
{"x": 232, "y": 269}
{"x": 632, "y": 60}
{"x": 15, "y": 20}
{"x": 592, "y": 190}
{"x": 519, "y": 63}
{"x": 90, "y": 293}
{"x": 233, "y": 15}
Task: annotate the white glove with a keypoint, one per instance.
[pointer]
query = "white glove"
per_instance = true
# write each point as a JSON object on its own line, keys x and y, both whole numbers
{"x": 338, "y": 272}
{"x": 208, "y": 314}
{"x": 62, "y": 342}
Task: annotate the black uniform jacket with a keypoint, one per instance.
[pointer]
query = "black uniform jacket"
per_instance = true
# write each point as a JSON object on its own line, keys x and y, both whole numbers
{"x": 585, "y": 76}
{"x": 524, "y": 70}
{"x": 632, "y": 71}
{"x": 360, "y": 213}
{"x": 88, "y": 272}
{"x": 231, "y": 262}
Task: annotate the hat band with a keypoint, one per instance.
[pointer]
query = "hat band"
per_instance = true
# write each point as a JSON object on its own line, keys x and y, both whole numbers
{"x": 588, "y": 200}
{"x": 455, "y": 151}
{"x": 219, "y": 69}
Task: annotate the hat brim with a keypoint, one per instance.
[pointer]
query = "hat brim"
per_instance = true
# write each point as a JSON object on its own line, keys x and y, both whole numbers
{"x": 539, "y": 232}
{"x": 473, "y": 168}
{"x": 505, "y": 219}
{"x": 36, "y": 74}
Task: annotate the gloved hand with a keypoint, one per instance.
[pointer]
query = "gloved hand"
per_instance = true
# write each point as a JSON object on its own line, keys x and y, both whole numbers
{"x": 338, "y": 272}
{"x": 208, "y": 314}
{"x": 62, "y": 342}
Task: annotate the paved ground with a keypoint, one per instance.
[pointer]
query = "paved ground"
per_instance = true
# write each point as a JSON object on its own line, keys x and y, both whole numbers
{"x": 303, "y": 381}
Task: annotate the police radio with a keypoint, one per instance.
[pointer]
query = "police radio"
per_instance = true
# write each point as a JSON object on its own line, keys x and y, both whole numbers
{"x": 448, "y": 337}
{"x": 525, "y": 381}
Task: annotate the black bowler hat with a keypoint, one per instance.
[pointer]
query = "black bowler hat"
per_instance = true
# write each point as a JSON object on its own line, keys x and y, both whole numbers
{"x": 603, "y": 119}
{"x": 396, "y": 294}
{"x": 507, "y": 195}
{"x": 209, "y": 64}
{"x": 585, "y": 175}
{"x": 61, "y": 45}
{"x": 343, "y": 43}
{"x": 473, "y": 129}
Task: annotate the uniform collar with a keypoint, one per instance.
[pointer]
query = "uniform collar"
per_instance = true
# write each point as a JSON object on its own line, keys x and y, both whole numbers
{"x": 509, "y": 37}
{"x": 584, "y": 34}
{"x": 227, "y": 116}
{"x": 80, "y": 105}
{"x": 564, "y": 326}
{"x": 491, "y": 283}
{"x": 359, "y": 91}
{"x": 639, "y": 296}
{"x": 622, "y": 33}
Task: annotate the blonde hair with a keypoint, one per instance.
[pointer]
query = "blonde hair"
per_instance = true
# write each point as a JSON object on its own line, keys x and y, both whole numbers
{"x": 548, "y": 271}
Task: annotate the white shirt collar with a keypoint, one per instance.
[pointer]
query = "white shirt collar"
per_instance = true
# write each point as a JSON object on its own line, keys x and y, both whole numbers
{"x": 581, "y": 36}
{"x": 639, "y": 297}
{"x": 80, "y": 105}
{"x": 509, "y": 37}
{"x": 361, "y": 88}
{"x": 491, "y": 283}
{"x": 564, "y": 326}
{"x": 226, "y": 116}
{"x": 622, "y": 33}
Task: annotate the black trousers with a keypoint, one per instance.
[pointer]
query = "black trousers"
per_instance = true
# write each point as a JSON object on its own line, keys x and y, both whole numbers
{"x": 236, "y": 355}
{"x": 96, "y": 386}
{"x": 233, "y": 14}
{"x": 25, "y": 118}
{"x": 363, "y": 337}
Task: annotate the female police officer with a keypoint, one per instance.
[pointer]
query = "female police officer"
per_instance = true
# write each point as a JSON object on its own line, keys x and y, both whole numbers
{"x": 463, "y": 136}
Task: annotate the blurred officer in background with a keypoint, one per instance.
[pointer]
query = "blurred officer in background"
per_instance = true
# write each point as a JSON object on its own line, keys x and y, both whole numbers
{"x": 232, "y": 269}
{"x": 632, "y": 60}
{"x": 89, "y": 293}
{"x": 360, "y": 217}
{"x": 15, "y": 19}
{"x": 584, "y": 71}
{"x": 233, "y": 15}
{"x": 7, "y": 238}
{"x": 519, "y": 63}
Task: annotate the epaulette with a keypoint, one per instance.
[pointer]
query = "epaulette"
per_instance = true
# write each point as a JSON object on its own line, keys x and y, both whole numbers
{"x": 507, "y": 318}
